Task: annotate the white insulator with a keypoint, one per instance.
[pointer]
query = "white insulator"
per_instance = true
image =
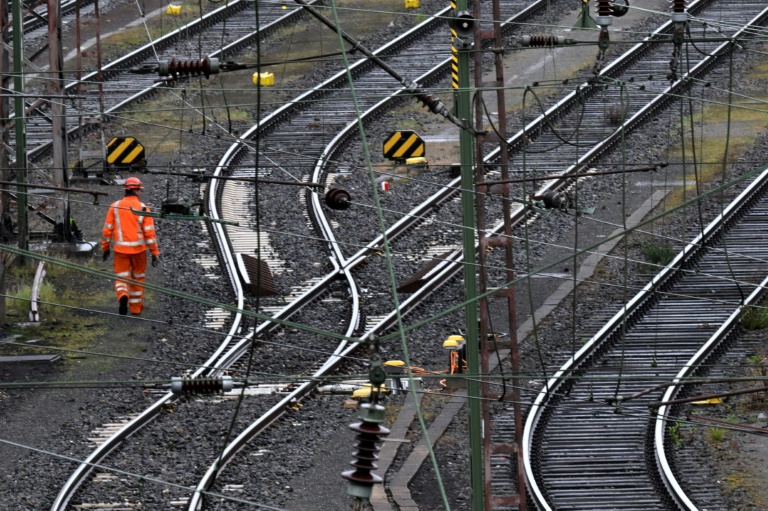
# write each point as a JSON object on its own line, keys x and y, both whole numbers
{"x": 679, "y": 17}
{"x": 604, "y": 21}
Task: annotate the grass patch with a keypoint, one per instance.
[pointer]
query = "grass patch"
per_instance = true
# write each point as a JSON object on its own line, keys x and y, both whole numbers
{"x": 757, "y": 369}
{"x": 675, "y": 435}
{"x": 755, "y": 318}
{"x": 748, "y": 482}
{"x": 390, "y": 414}
{"x": 61, "y": 289}
{"x": 19, "y": 306}
{"x": 660, "y": 255}
{"x": 75, "y": 334}
{"x": 715, "y": 435}
{"x": 449, "y": 440}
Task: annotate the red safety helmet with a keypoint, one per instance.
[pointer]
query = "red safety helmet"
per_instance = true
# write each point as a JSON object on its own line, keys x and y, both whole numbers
{"x": 133, "y": 183}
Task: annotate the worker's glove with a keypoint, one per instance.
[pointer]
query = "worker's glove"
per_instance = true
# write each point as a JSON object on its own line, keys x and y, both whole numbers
{"x": 155, "y": 260}
{"x": 105, "y": 255}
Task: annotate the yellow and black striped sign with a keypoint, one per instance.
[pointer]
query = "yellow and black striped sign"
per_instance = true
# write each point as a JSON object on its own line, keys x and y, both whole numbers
{"x": 401, "y": 145}
{"x": 454, "y": 55}
{"x": 125, "y": 152}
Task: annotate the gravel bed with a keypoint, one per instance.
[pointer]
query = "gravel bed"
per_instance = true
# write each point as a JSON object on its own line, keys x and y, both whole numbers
{"x": 308, "y": 445}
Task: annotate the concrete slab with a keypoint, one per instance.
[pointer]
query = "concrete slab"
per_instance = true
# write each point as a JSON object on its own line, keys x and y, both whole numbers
{"x": 30, "y": 359}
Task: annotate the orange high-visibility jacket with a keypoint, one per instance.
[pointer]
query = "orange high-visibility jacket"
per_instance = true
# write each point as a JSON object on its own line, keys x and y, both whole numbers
{"x": 129, "y": 233}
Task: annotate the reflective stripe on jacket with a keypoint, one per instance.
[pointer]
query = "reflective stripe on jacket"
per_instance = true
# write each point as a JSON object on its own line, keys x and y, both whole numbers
{"x": 129, "y": 233}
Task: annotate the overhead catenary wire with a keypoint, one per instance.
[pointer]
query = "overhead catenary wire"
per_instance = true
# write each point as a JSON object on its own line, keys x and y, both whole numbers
{"x": 135, "y": 476}
{"x": 390, "y": 266}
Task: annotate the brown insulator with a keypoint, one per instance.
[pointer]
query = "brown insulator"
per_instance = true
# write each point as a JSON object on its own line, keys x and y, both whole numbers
{"x": 369, "y": 431}
{"x": 542, "y": 40}
{"x": 367, "y": 453}
{"x": 604, "y": 7}
{"x": 190, "y": 67}
{"x": 431, "y": 102}
{"x": 336, "y": 198}
{"x": 678, "y": 5}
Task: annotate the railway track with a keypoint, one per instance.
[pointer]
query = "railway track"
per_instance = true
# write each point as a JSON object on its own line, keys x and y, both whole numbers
{"x": 643, "y": 63}
{"x": 220, "y": 33}
{"x": 342, "y": 265}
{"x": 579, "y": 447}
{"x": 578, "y": 451}
{"x": 221, "y": 361}
{"x": 224, "y": 358}
{"x": 452, "y": 263}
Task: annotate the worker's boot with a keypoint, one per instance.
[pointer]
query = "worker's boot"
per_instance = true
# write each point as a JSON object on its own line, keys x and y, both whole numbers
{"x": 123, "y": 310}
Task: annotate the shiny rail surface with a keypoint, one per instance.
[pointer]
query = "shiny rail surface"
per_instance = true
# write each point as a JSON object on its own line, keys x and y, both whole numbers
{"x": 577, "y": 451}
{"x": 103, "y": 450}
{"x": 284, "y": 121}
{"x": 225, "y": 355}
{"x": 573, "y": 440}
{"x": 453, "y": 262}
{"x": 753, "y": 222}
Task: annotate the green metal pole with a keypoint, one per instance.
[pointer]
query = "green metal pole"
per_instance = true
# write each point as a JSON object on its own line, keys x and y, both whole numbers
{"x": 20, "y": 116}
{"x": 467, "y": 150}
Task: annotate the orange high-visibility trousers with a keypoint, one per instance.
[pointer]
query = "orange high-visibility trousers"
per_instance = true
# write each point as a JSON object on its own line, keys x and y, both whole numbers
{"x": 131, "y": 266}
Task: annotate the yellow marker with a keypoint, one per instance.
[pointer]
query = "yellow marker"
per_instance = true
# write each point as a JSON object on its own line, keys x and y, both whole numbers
{"x": 264, "y": 79}
{"x": 711, "y": 401}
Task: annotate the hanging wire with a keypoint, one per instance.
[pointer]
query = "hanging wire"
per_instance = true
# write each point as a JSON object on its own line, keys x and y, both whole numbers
{"x": 725, "y": 158}
{"x": 625, "y": 244}
{"x": 528, "y": 281}
{"x": 388, "y": 255}
{"x": 259, "y": 276}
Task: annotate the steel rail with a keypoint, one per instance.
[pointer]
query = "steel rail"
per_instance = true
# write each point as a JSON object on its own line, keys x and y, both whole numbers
{"x": 660, "y": 437}
{"x": 273, "y": 414}
{"x": 438, "y": 277}
{"x": 237, "y": 150}
{"x": 633, "y": 308}
{"x": 103, "y": 450}
{"x": 534, "y": 129}
{"x": 147, "y": 52}
{"x": 34, "y": 20}
{"x": 231, "y": 263}
{"x": 219, "y": 359}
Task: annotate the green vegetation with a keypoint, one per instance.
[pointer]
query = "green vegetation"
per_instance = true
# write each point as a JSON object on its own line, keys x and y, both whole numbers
{"x": 755, "y": 318}
{"x": 749, "y": 482}
{"x": 674, "y": 434}
{"x": 758, "y": 369}
{"x": 715, "y": 434}
{"x": 59, "y": 300}
{"x": 660, "y": 255}
{"x": 19, "y": 305}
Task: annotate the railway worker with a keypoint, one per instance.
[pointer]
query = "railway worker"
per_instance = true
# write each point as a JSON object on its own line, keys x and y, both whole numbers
{"x": 130, "y": 235}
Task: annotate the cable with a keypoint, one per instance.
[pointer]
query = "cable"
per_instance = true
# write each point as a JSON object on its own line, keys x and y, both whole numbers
{"x": 133, "y": 475}
{"x": 567, "y": 257}
{"x": 257, "y": 213}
